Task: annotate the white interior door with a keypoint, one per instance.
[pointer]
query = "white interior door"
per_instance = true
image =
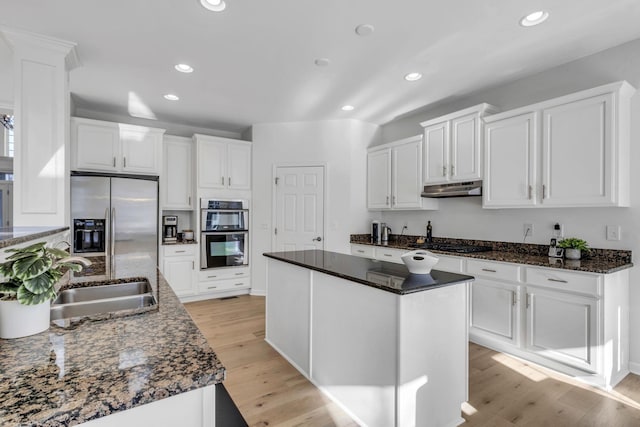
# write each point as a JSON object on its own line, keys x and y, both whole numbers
{"x": 299, "y": 208}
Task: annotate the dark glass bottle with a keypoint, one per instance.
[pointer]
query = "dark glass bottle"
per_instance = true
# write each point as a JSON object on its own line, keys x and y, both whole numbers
{"x": 429, "y": 232}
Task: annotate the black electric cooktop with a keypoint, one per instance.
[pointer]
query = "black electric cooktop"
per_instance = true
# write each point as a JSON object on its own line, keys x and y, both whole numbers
{"x": 448, "y": 247}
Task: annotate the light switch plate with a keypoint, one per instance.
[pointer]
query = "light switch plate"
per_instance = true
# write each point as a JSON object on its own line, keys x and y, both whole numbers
{"x": 613, "y": 232}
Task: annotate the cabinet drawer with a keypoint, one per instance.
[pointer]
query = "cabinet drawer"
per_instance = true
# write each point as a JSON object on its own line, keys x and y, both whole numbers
{"x": 223, "y": 273}
{"x": 179, "y": 250}
{"x": 388, "y": 254}
{"x": 365, "y": 251}
{"x": 493, "y": 270}
{"x": 446, "y": 263}
{"x": 564, "y": 280}
{"x": 224, "y": 285}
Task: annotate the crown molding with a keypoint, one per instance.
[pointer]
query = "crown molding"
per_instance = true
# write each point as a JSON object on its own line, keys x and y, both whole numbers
{"x": 19, "y": 38}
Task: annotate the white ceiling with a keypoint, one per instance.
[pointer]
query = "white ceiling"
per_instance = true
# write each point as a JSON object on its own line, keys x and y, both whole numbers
{"x": 254, "y": 62}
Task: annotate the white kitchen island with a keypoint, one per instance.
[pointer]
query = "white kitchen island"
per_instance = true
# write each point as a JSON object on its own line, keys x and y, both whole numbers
{"x": 388, "y": 346}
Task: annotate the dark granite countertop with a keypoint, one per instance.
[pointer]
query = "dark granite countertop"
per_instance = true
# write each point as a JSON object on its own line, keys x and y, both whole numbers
{"x": 180, "y": 242}
{"x": 602, "y": 261}
{"x": 10, "y": 236}
{"x": 383, "y": 275}
{"x": 66, "y": 376}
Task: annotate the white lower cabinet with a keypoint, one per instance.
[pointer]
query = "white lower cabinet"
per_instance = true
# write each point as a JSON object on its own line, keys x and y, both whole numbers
{"x": 178, "y": 268}
{"x": 574, "y": 322}
{"x": 563, "y": 327}
{"x": 223, "y": 282}
{"x": 495, "y": 311}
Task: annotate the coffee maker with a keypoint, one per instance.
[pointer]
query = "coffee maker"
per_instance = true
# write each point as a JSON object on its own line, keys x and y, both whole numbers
{"x": 169, "y": 228}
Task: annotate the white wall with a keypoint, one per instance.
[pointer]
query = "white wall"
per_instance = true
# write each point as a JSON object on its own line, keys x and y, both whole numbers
{"x": 6, "y": 74}
{"x": 341, "y": 145}
{"x": 465, "y": 218}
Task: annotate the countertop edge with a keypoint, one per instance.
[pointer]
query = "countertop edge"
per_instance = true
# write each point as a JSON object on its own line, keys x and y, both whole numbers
{"x": 488, "y": 257}
{"x": 464, "y": 277}
{"x": 11, "y": 241}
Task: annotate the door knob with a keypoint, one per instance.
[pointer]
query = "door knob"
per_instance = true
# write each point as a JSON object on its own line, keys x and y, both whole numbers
{"x": 317, "y": 239}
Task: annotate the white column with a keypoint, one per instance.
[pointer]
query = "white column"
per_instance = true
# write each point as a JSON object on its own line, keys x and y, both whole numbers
{"x": 41, "y": 108}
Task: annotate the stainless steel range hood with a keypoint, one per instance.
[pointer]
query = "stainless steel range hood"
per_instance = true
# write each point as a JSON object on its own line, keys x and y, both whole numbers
{"x": 456, "y": 189}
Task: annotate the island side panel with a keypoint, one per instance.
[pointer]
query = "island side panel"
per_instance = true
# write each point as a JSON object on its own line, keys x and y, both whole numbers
{"x": 288, "y": 312}
{"x": 433, "y": 353}
{"x": 354, "y": 347}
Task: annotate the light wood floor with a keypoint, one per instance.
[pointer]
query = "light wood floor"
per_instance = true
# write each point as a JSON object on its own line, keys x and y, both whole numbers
{"x": 504, "y": 391}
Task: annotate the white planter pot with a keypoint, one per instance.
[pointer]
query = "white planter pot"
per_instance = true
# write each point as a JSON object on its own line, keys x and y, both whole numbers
{"x": 572, "y": 253}
{"x": 17, "y": 320}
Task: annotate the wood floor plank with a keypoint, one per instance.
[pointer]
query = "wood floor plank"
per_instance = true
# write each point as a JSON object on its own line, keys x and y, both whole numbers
{"x": 503, "y": 391}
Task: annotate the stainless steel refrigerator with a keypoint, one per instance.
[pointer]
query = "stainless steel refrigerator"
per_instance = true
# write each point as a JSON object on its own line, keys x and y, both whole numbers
{"x": 123, "y": 212}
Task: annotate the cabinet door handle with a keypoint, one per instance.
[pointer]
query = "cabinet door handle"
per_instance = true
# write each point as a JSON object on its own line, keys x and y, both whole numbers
{"x": 114, "y": 161}
{"x": 544, "y": 191}
{"x": 389, "y": 255}
{"x": 193, "y": 265}
{"x": 238, "y": 284}
{"x": 211, "y": 277}
{"x": 189, "y": 200}
{"x": 530, "y": 192}
{"x": 212, "y": 287}
{"x": 360, "y": 251}
{"x": 387, "y": 200}
{"x": 514, "y": 298}
{"x": 124, "y": 162}
{"x": 229, "y": 181}
{"x": 444, "y": 170}
{"x": 557, "y": 280}
{"x": 489, "y": 270}
{"x": 239, "y": 274}
{"x": 222, "y": 177}
{"x": 180, "y": 252}
{"x": 528, "y": 300}
{"x": 393, "y": 200}
{"x": 452, "y": 170}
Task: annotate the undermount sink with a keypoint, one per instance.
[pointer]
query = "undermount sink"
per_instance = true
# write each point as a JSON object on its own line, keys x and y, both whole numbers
{"x": 110, "y": 298}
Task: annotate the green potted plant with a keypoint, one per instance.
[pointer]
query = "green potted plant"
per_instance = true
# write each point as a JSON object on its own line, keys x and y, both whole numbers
{"x": 30, "y": 275}
{"x": 573, "y": 247}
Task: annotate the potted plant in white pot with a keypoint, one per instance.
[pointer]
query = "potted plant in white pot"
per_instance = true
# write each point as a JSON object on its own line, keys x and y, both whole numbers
{"x": 573, "y": 247}
{"x": 30, "y": 275}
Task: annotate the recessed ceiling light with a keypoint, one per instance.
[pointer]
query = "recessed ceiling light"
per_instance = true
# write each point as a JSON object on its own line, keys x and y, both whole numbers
{"x": 412, "y": 77}
{"x": 214, "y": 5}
{"x": 364, "y": 29}
{"x": 534, "y": 18}
{"x": 347, "y": 107}
{"x": 184, "y": 68}
{"x": 171, "y": 97}
{"x": 322, "y": 62}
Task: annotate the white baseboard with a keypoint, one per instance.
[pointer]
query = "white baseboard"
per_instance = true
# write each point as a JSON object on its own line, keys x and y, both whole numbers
{"x": 634, "y": 368}
{"x": 258, "y": 292}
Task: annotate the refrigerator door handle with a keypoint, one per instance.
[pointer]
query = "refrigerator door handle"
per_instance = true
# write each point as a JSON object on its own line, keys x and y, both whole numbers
{"x": 107, "y": 221}
{"x": 113, "y": 233}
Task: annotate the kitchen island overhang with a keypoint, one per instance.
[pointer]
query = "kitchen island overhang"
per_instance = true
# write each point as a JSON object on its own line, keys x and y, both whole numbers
{"x": 390, "y": 347}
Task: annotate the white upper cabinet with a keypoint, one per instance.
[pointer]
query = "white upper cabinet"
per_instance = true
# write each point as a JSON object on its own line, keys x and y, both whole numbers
{"x": 510, "y": 161}
{"x": 115, "y": 147}
{"x": 453, "y": 146}
{"x": 394, "y": 176}
{"x": 223, "y": 163}
{"x": 571, "y": 151}
{"x": 177, "y": 176}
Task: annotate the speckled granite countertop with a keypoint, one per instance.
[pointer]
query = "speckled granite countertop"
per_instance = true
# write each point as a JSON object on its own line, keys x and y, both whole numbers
{"x": 601, "y": 261}
{"x": 63, "y": 377}
{"x": 10, "y": 236}
{"x": 180, "y": 242}
{"x": 387, "y": 276}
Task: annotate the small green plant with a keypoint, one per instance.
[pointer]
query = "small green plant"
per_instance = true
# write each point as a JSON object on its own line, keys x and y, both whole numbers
{"x": 30, "y": 274}
{"x": 573, "y": 243}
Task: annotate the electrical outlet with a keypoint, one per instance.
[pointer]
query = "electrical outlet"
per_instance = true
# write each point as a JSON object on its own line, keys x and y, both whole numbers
{"x": 527, "y": 230}
{"x": 613, "y": 232}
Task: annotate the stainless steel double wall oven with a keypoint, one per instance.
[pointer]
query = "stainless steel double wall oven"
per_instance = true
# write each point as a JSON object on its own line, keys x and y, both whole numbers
{"x": 224, "y": 233}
